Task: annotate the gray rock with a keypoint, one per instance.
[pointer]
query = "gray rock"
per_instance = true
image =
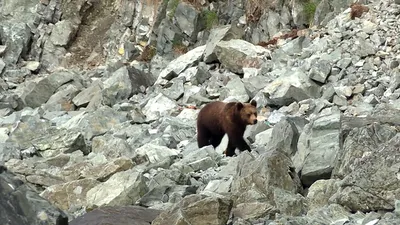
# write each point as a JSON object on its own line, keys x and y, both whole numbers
{"x": 254, "y": 84}
{"x": 235, "y": 90}
{"x": 181, "y": 63}
{"x": 318, "y": 147}
{"x": 95, "y": 123}
{"x": 198, "y": 159}
{"x": 86, "y": 95}
{"x": 16, "y": 36}
{"x": 70, "y": 194}
{"x": 320, "y": 192}
{"x": 48, "y": 140}
{"x": 118, "y": 87}
{"x": 117, "y": 215}
{"x": 112, "y": 147}
{"x": 63, "y": 32}
{"x": 270, "y": 176}
{"x": 365, "y": 165}
{"x": 218, "y": 187}
{"x": 216, "y": 34}
{"x": 162, "y": 195}
{"x": 2, "y": 49}
{"x": 284, "y": 136}
{"x": 32, "y": 66}
{"x": 2, "y": 65}
{"x": 320, "y": 71}
{"x": 154, "y": 153}
{"x": 187, "y": 19}
{"x": 39, "y": 92}
{"x": 294, "y": 87}
{"x": 263, "y": 138}
{"x": 196, "y": 210}
{"x": 29, "y": 207}
{"x": 9, "y": 150}
{"x": 202, "y": 74}
{"x": 62, "y": 99}
{"x": 176, "y": 90}
{"x": 123, "y": 188}
{"x": 159, "y": 106}
{"x": 236, "y": 54}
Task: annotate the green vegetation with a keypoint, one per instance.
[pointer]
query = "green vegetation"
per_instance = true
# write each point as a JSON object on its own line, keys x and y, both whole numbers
{"x": 211, "y": 18}
{"x": 173, "y": 4}
{"x": 309, "y": 10}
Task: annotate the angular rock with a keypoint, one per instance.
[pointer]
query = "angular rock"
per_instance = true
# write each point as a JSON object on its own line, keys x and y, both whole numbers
{"x": 16, "y": 36}
{"x": 159, "y": 106}
{"x": 196, "y": 210}
{"x": 38, "y": 93}
{"x": 176, "y": 90}
{"x": 63, "y": 32}
{"x": 187, "y": 19}
{"x": 198, "y": 159}
{"x": 181, "y": 63}
{"x": 320, "y": 71}
{"x": 318, "y": 147}
{"x": 294, "y": 87}
{"x": 62, "y": 99}
{"x": 95, "y": 123}
{"x": 320, "y": 192}
{"x": 123, "y": 188}
{"x": 86, "y": 95}
{"x": 9, "y": 150}
{"x": 28, "y": 207}
{"x": 216, "y": 34}
{"x": 267, "y": 177}
{"x": 284, "y": 136}
{"x": 2, "y": 65}
{"x": 118, "y": 87}
{"x": 117, "y": 215}
{"x": 48, "y": 140}
{"x": 369, "y": 154}
{"x": 235, "y": 90}
{"x": 107, "y": 169}
{"x": 70, "y": 194}
{"x": 112, "y": 147}
{"x": 154, "y": 153}
{"x": 236, "y": 54}
{"x": 162, "y": 196}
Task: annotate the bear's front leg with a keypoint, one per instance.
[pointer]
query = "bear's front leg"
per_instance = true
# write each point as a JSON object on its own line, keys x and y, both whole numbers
{"x": 242, "y": 145}
{"x": 236, "y": 142}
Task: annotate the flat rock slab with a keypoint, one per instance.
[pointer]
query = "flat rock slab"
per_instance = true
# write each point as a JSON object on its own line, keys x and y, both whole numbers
{"x": 119, "y": 215}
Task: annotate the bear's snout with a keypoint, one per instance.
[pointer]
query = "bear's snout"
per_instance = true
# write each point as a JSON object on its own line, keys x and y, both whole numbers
{"x": 255, "y": 121}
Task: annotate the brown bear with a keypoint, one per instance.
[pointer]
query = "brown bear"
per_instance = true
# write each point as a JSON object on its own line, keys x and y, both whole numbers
{"x": 219, "y": 118}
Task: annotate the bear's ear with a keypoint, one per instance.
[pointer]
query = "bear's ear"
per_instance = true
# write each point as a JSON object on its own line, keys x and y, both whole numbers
{"x": 239, "y": 105}
{"x": 253, "y": 103}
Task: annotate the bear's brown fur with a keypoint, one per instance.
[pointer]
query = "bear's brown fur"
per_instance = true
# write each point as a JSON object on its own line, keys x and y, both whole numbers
{"x": 218, "y": 118}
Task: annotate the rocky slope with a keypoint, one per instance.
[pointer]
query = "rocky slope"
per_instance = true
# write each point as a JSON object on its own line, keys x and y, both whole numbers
{"x": 99, "y": 102}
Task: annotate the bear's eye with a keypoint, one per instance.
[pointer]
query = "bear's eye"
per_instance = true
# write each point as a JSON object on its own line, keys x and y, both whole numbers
{"x": 248, "y": 114}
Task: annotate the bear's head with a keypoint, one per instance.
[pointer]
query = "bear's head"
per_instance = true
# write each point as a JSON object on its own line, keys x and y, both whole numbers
{"x": 247, "y": 112}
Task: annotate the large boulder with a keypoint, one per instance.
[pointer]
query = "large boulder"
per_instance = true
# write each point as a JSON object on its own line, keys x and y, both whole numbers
{"x": 369, "y": 163}
{"x": 20, "y": 205}
{"x": 117, "y": 215}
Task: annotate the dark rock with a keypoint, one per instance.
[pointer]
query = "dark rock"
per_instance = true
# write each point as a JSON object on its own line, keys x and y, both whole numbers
{"x": 19, "y": 205}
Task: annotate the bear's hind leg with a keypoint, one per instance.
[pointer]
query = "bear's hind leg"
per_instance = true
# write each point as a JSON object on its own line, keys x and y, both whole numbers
{"x": 216, "y": 140}
{"x": 230, "y": 149}
{"x": 203, "y": 137}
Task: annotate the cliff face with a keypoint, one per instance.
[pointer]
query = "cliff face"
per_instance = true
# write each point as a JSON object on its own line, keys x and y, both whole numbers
{"x": 99, "y": 100}
{"x": 83, "y": 33}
